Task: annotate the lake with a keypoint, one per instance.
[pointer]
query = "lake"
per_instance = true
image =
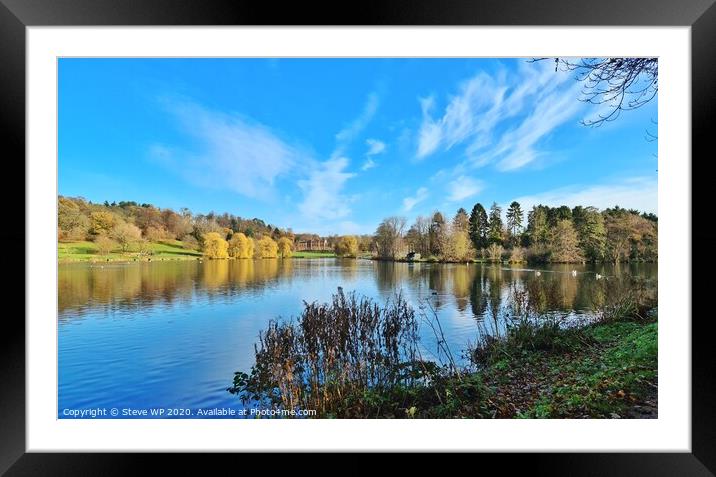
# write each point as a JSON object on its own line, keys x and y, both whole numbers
{"x": 171, "y": 334}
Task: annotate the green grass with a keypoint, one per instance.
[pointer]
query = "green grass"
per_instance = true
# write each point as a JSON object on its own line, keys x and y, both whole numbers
{"x": 309, "y": 254}
{"x": 164, "y": 250}
{"x": 606, "y": 370}
{"x": 87, "y": 252}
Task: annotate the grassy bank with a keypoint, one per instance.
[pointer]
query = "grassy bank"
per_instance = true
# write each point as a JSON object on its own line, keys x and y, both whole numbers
{"x": 354, "y": 359}
{"x": 85, "y": 251}
{"x": 68, "y": 252}
{"x": 602, "y": 371}
{"x": 310, "y": 254}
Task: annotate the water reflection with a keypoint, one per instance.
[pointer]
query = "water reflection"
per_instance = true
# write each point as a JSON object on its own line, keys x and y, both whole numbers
{"x": 167, "y": 334}
{"x": 477, "y": 289}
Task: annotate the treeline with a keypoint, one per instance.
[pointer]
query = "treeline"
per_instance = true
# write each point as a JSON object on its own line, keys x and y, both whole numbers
{"x": 551, "y": 234}
{"x": 131, "y": 227}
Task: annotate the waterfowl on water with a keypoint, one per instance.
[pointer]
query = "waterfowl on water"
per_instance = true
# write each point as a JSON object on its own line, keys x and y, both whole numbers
{"x": 598, "y": 276}
{"x": 538, "y": 273}
{"x": 574, "y": 273}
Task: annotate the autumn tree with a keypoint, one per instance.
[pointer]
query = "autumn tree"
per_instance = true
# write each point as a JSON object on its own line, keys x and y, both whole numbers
{"x": 71, "y": 220}
{"x": 461, "y": 220}
{"x": 241, "y": 246}
{"x": 564, "y": 243}
{"x": 389, "y": 237}
{"x": 346, "y": 246}
{"x": 126, "y": 235}
{"x": 266, "y": 247}
{"x": 418, "y": 236}
{"x": 102, "y": 222}
{"x": 592, "y": 234}
{"x": 214, "y": 246}
{"x": 629, "y": 236}
{"x": 104, "y": 244}
{"x": 459, "y": 247}
{"x": 285, "y": 247}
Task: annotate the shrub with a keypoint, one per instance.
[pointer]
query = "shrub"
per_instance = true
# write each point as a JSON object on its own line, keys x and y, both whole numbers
{"x": 517, "y": 255}
{"x": 494, "y": 252}
{"x": 333, "y": 354}
{"x": 144, "y": 247}
{"x": 104, "y": 244}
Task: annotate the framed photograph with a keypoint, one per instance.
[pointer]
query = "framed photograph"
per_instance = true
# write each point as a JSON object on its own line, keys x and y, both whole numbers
{"x": 417, "y": 228}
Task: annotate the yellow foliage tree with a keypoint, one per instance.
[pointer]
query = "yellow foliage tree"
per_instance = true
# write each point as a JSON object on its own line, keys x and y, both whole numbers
{"x": 215, "y": 246}
{"x": 285, "y": 247}
{"x": 267, "y": 248}
{"x": 346, "y": 246}
{"x": 459, "y": 247}
{"x": 241, "y": 246}
{"x": 102, "y": 222}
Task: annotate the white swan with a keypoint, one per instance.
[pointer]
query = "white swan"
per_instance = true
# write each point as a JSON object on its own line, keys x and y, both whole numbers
{"x": 574, "y": 273}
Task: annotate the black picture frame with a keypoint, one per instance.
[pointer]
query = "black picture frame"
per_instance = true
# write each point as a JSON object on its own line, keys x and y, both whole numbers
{"x": 700, "y": 15}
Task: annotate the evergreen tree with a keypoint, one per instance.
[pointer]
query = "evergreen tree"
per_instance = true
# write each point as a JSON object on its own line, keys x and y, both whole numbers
{"x": 437, "y": 234}
{"x": 514, "y": 221}
{"x": 495, "y": 234}
{"x": 478, "y": 227}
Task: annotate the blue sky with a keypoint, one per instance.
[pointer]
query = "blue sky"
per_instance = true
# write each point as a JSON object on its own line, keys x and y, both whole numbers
{"x": 336, "y": 145}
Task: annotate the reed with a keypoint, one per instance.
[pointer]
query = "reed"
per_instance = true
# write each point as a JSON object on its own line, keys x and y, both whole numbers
{"x": 332, "y": 353}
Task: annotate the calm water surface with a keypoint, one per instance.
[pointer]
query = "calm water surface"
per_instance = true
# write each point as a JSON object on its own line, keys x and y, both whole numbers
{"x": 171, "y": 334}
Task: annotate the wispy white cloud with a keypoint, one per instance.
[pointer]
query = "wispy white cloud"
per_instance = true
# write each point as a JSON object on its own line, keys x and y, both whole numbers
{"x": 232, "y": 152}
{"x": 420, "y": 195}
{"x": 463, "y": 187}
{"x": 352, "y": 130}
{"x": 634, "y": 193}
{"x": 431, "y": 132}
{"x": 375, "y": 147}
{"x": 535, "y": 100}
{"x": 323, "y": 198}
{"x": 368, "y": 164}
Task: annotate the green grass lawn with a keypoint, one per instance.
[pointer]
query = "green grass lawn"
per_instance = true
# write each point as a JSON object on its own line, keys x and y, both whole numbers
{"x": 87, "y": 252}
{"x": 309, "y": 254}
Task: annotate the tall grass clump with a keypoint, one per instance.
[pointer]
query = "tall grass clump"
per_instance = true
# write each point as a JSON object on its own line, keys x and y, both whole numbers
{"x": 332, "y": 353}
{"x": 525, "y": 330}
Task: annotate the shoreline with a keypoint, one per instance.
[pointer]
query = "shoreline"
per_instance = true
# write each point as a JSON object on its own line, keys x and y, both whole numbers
{"x": 168, "y": 251}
